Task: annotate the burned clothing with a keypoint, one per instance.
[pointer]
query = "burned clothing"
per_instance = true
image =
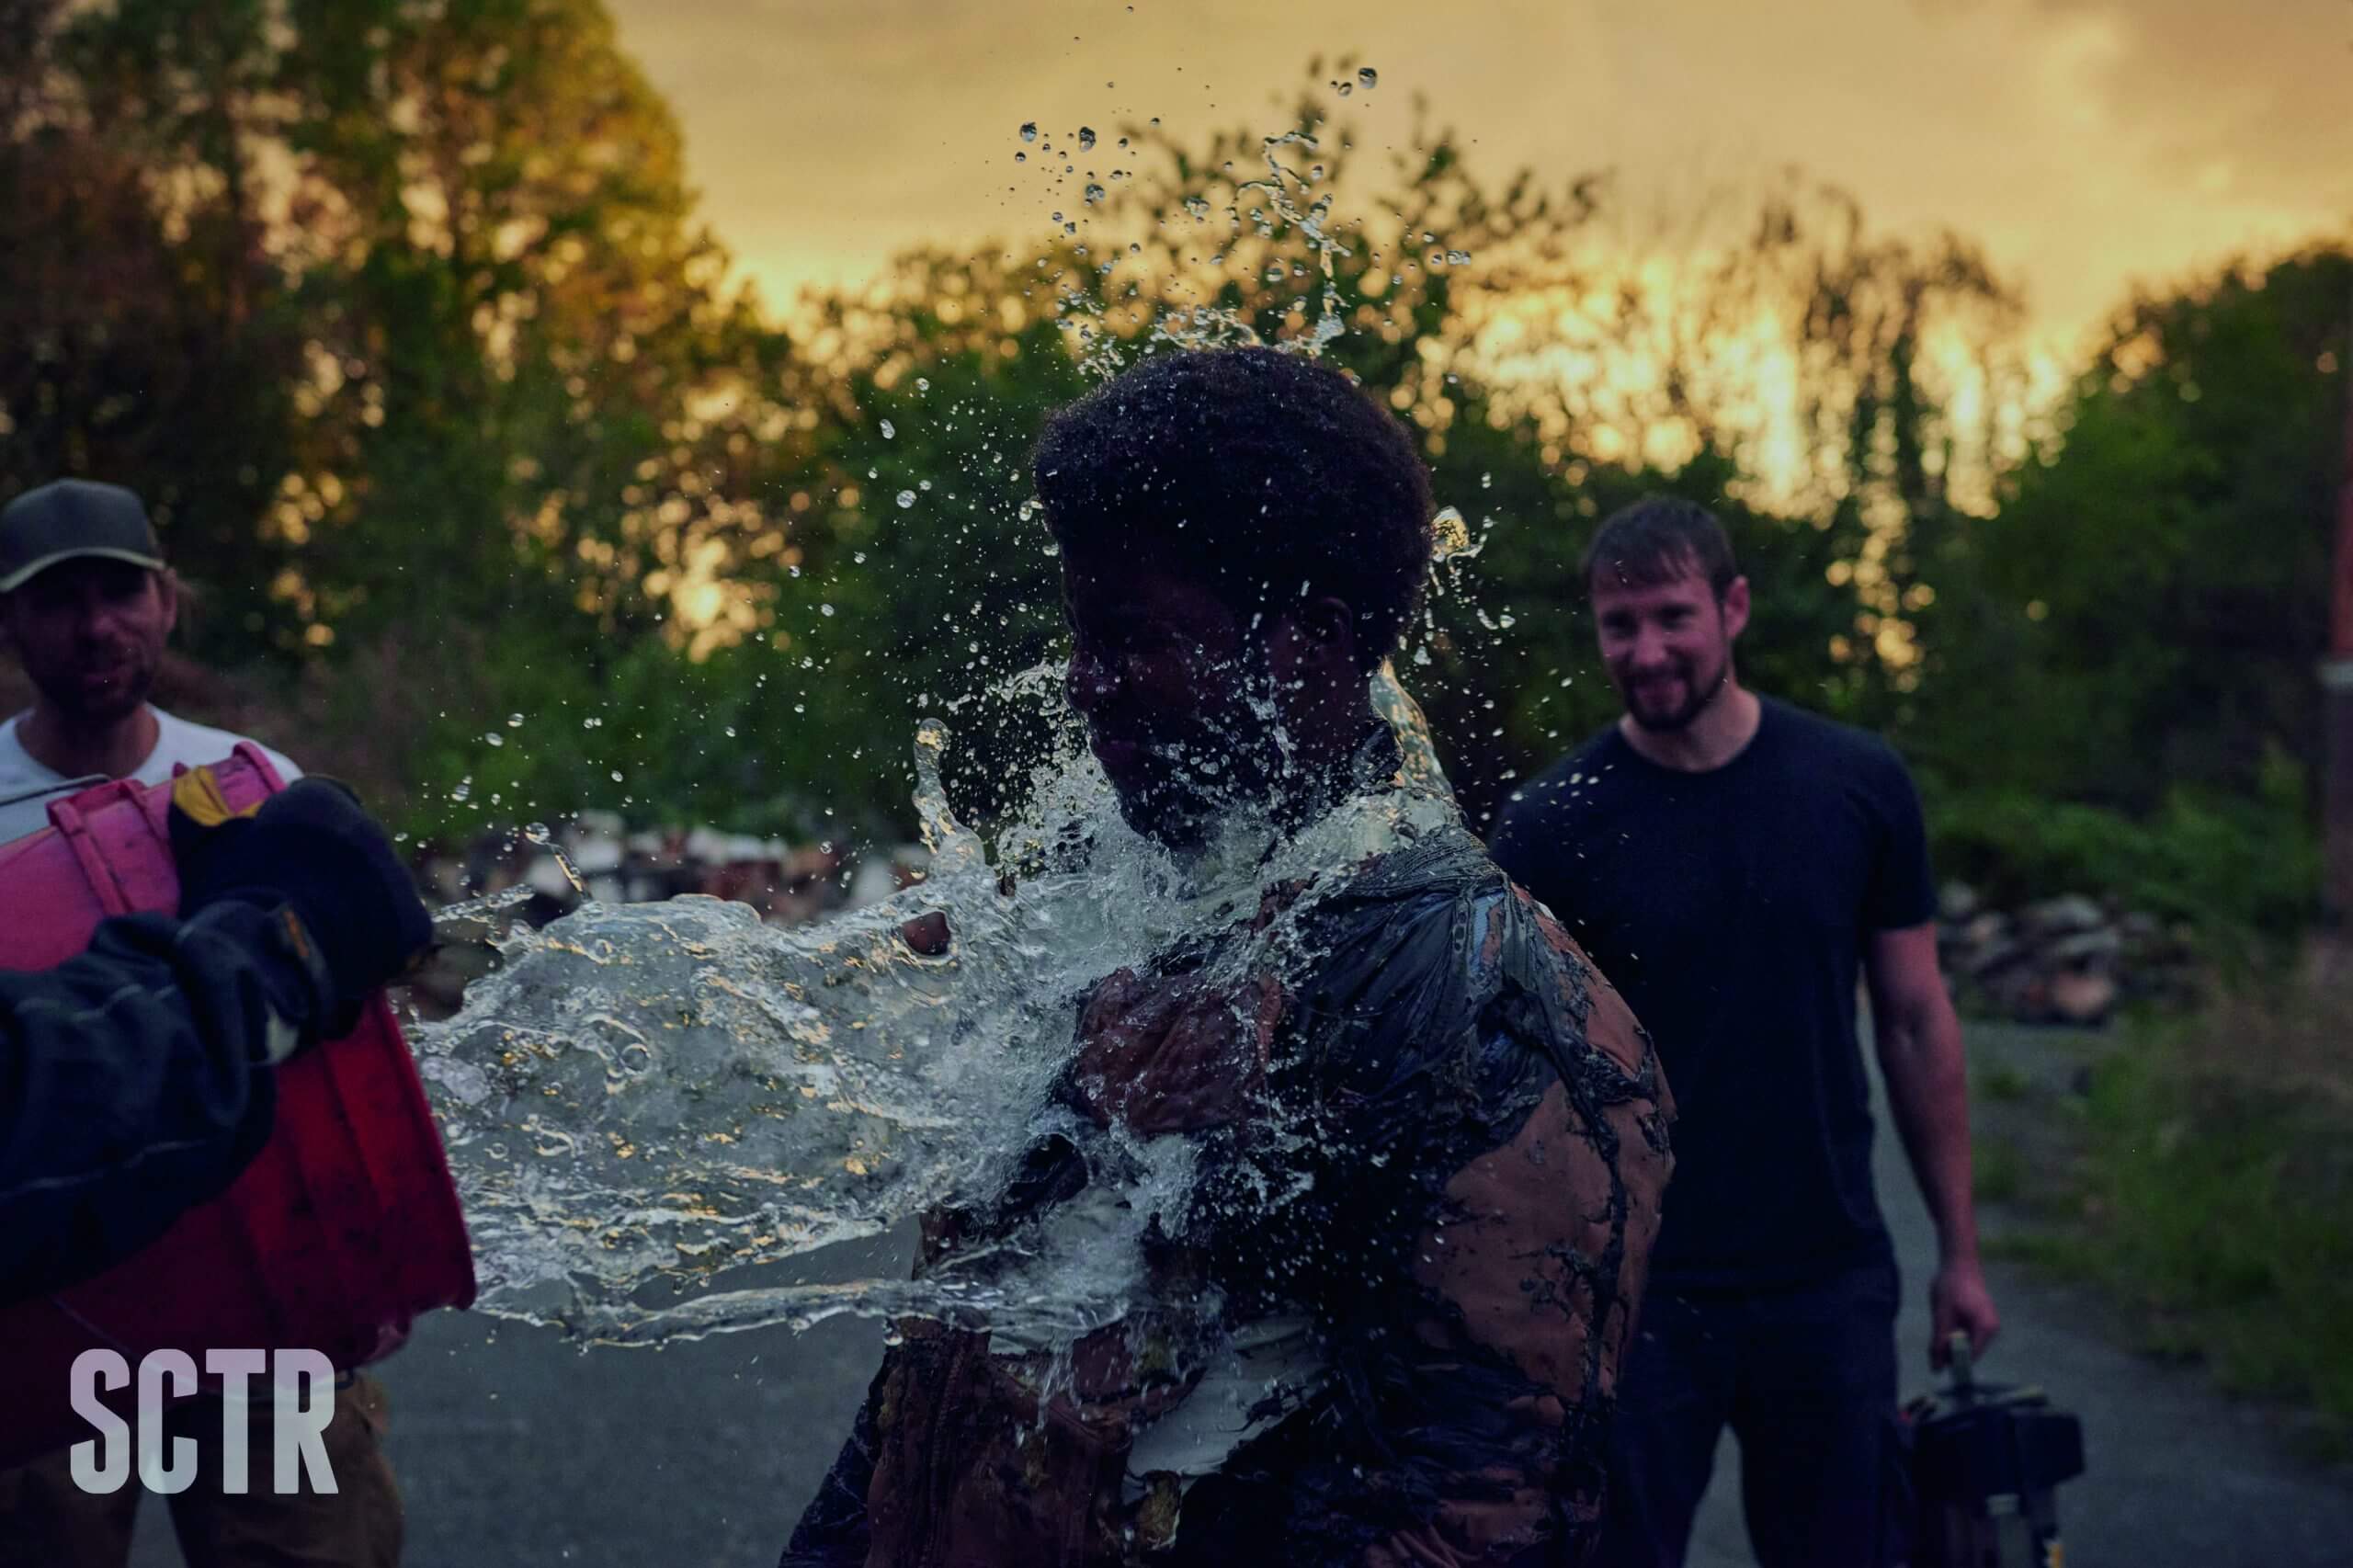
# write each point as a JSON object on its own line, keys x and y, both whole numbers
{"x": 1383, "y": 1326}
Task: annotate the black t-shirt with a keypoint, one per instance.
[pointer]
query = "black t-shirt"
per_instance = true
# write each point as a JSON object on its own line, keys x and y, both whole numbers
{"x": 1732, "y": 909}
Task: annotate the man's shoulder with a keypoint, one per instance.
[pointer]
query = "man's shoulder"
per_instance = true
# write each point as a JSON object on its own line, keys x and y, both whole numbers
{"x": 185, "y": 743}
{"x": 15, "y": 759}
{"x": 1419, "y": 942}
{"x": 18, "y": 768}
{"x": 1394, "y": 912}
{"x": 1843, "y": 748}
{"x": 1441, "y": 923}
{"x": 25, "y": 788}
{"x": 1433, "y": 871}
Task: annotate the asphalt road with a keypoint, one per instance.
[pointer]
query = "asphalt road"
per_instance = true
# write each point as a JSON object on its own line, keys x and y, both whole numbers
{"x": 517, "y": 1450}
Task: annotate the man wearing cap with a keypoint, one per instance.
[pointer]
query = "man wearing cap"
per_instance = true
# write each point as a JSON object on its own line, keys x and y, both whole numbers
{"x": 87, "y": 603}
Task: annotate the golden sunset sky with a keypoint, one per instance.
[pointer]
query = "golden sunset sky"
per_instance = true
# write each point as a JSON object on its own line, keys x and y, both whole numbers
{"x": 2087, "y": 143}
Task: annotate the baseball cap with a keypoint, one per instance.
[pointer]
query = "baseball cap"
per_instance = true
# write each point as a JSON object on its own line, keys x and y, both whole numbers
{"x": 71, "y": 518}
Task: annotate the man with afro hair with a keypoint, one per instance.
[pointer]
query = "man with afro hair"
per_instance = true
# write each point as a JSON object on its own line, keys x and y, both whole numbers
{"x": 1384, "y": 1325}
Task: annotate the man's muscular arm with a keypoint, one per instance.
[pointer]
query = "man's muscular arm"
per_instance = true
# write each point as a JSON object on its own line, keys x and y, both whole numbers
{"x": 1918, "y": 1039}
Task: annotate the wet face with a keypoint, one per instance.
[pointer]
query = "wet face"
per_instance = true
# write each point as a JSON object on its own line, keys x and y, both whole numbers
{"x": 1668, "y": 645}
{"x": 91, "y": 634}
{"x": 1189, "y": 706}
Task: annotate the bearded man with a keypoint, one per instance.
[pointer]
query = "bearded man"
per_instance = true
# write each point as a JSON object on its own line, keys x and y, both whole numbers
{"x": 1734, "y": 863}
{"x": 87, "y": 603}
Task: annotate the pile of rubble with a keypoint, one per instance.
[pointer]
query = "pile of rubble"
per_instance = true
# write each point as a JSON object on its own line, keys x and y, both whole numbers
{"x": 788, "y": 884}
{"x": 2070, "y": 959}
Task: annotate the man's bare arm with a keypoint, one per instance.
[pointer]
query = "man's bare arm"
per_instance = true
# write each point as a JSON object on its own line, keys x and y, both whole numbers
{"x": 1918, "y": 1038}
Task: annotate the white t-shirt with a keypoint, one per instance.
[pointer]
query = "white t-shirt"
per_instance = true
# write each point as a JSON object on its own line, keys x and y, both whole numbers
{"x": 177, "y": 742}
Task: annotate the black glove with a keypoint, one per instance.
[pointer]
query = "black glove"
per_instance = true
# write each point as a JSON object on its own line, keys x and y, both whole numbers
{"x": 312, "y": 849}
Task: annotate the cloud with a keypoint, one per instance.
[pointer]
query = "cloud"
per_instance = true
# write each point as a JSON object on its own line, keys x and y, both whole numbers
{"x": 2087, "y": 142}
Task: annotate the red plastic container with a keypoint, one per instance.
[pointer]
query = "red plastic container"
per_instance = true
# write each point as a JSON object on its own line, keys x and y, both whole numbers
{"x": 344, "y": 1228}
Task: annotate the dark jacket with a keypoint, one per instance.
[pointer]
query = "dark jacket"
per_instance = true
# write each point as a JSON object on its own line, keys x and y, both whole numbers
{"x": 1438, "y": 1136}
{"x": 135, "y": 1084}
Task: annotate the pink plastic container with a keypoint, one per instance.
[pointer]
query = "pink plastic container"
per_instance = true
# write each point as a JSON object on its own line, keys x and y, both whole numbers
{"x": 343, "y": 1229}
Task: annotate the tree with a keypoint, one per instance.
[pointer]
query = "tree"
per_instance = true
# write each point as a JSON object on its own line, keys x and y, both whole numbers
{"x": 148, "y": 342}
{"x": 2156, "y": 582}
{"x": 506, "y": 448}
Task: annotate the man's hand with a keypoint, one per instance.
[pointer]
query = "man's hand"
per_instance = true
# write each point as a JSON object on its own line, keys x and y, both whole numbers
{"x": 309, "y": 849}
{"x": 1957, "y": 1299}
{"x": 1173, "y": 1055}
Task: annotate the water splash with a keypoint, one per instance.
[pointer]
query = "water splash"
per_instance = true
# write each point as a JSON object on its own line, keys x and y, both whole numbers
{"x": 1283, "y": 197}
{"x": 1309, "y": 221}
{"x": 647, "y": 1104}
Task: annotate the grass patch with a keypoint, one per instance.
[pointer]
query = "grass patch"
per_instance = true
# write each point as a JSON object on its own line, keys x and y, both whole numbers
{"x": 1997, "y": 1171}
{"x": 2001, "y": 1084}
{"x": 2052, "y": 1251}
{"x": 2217, "y": 1194}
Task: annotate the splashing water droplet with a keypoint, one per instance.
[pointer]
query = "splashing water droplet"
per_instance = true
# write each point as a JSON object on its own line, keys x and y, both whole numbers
{"x": 495, "y": 738}
{"x": 907, "y": 499}
{"x": 1367, "y": 78}
{"x": 514, "y": 721}
{"x": 1029, "y": 130}
{"x": 1451, "y": 537}
{"x": 890, "y": 431}
{"x": 1086, "y": 138}
{"x": 1094, "y": 193}
{"x": 826, "y": 610}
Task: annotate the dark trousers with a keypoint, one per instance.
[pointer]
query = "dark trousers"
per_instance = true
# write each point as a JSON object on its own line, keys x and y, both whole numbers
{"x": 1806, "y": 1378}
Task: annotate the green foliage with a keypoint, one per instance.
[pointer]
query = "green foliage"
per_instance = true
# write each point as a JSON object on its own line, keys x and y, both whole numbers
{"x": 460, "y": 422}
{"x": 1997, "y": 1172}
{"x": 2001, "y": 1084}
{"x": 2227, "y": 864}
{"x": 2123, "y": 671}
{"x": 2147, "y": 610}
{"x": 2222, "y": 1187}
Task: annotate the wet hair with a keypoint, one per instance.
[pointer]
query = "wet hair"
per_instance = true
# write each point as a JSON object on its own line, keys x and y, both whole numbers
{"x": 1264, "y": 475}
{"x": 1657, "y": 539}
